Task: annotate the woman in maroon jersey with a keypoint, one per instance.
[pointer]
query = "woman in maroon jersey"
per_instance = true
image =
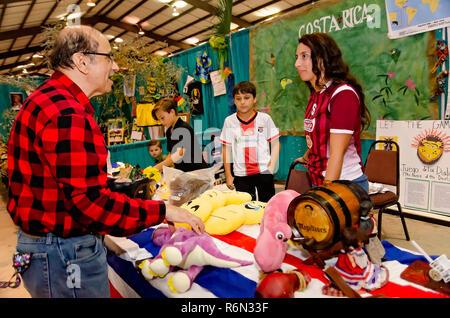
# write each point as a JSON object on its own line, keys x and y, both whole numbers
{"x": 335, "y": 115}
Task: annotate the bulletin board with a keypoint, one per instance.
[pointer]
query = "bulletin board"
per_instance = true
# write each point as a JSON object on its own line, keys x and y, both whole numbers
{"x": 394, "y": 74}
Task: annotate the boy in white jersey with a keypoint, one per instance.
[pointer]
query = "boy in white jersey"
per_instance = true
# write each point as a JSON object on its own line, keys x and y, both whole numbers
{"x": 250, "y": 142}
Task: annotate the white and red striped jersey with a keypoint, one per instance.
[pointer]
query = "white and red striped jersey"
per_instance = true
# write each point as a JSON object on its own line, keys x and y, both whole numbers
{"x": 249, "y": 142}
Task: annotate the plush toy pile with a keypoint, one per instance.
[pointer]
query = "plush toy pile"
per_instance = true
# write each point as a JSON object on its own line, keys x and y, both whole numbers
{"x": 225, "y": 211}
{"x": 184, "y": 253}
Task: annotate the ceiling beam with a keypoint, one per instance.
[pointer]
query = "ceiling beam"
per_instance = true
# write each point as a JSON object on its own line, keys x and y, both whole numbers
{"x": 27, "y": 14}
{"x": 213, "y": 10}
{"x": 164, "y": 7}
{"x": 93, "y": 20}
{"x": 257, "y": 8}
{"x": 12, "y": 1}
{"x": 99, "y": 11}
{"x": 13, "y": 65}
{"x": 188, "y": 25}
{"x": 27, "y": 50}
{"x": 30, "y": 69}
{"x": 3, "y": 12}
{"x": 115, "y": 5}
{"x": 135, "y": 29}
{"x": 7, "y": 35}
{"x": 286, "y": 11}
{"x": 126, "y": 13}
{"x": 44, "y": 22}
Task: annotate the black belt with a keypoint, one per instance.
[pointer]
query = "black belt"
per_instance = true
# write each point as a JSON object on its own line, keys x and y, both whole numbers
{"x": 31, "y": 236}
{"x": 40, "y": 236}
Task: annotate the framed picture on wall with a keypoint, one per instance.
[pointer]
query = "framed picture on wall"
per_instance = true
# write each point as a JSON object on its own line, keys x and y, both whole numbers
{"x": 184, "y": 116}
{"x": 16, "y": 99}
{"x": 116, "y": 131}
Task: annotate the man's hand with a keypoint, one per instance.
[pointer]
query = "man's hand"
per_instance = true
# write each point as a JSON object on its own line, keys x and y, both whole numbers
{"x": 180, "y": 215}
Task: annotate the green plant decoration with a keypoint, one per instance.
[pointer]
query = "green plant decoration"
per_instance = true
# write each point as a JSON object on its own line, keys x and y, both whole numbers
{"x": 135, "y": 58}
{"x": 6, "y": 124}
{"x": 218, "y": 40}
{"x": 28, "y": 84}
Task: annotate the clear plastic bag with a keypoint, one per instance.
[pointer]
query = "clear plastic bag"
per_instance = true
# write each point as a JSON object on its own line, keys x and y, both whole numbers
{"x": 185, "y": 186}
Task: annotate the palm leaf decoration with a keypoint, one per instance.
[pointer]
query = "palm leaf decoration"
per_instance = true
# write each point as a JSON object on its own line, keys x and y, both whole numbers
{"x": 224, "y": 15}
{"x": 218, "y": 41}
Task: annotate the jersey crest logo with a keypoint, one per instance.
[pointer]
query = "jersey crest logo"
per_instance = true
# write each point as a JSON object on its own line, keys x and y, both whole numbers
{"x": 308, "y": 125}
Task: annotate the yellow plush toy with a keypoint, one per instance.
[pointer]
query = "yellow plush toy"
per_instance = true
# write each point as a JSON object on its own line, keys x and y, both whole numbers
{"x": 236, "y": 197}
{"x": 199, "y": 207}
{"x": 224, "y": 211}
{"x": 253, "y": 211}
{"x": 225, "y": 220}
{"x": 215, "y": 197}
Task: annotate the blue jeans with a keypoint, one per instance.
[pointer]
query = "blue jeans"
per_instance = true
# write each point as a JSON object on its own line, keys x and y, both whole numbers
{"x": 363, "y": 182}
{"x": 65, "y": 267}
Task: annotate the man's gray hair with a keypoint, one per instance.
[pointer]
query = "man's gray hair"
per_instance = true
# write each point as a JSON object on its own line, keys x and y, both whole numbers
{"x": 71, "y": 40}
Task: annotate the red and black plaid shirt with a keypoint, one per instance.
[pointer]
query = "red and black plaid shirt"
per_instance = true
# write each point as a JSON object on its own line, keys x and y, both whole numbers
{"x": 57, "y": 170}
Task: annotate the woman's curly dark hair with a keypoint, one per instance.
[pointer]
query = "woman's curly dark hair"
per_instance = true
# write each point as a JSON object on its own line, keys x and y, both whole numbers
{"x": 325, "y": 49}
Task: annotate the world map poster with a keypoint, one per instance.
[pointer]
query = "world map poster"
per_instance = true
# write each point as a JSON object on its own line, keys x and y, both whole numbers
{"x": 407, "y": 17}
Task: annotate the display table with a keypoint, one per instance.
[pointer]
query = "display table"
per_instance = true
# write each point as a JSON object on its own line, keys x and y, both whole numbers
{"x": 240, "y": 282}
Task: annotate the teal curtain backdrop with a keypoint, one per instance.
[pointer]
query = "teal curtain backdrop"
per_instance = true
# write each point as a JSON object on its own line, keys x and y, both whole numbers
{"x": 240, "y": 43}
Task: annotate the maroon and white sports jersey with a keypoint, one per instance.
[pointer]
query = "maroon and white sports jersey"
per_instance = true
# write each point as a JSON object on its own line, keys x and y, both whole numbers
{"x": 249, "y": 142}
{"x": 335, "y": 109}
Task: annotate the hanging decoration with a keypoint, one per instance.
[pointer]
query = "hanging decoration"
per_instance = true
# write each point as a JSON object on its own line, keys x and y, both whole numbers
{"x": 219, "y": 45}
{"x": 136, "y": 60}
{"x": 129, "y": 85}
{"x": 441, "y": 82}
{"x": 218, "y": 41}
{"x": 442, "y": 54}
{"x": 203, "y": 67}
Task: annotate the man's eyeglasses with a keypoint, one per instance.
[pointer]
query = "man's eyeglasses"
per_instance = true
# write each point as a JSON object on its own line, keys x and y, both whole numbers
{"x": 110, "y": 55}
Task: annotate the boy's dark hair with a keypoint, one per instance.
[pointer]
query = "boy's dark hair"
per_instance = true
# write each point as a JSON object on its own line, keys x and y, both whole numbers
{"x": 166, "y": 105}
{"x": 154, "y": 142}
{"x": 244, "y": 87}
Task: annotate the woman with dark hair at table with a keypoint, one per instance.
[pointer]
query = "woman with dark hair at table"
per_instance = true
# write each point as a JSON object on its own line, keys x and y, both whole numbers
{"x": 335, "y": 114}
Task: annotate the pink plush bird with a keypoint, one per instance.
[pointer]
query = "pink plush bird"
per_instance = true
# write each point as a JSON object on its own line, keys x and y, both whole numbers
{"x": 274, "y": 232}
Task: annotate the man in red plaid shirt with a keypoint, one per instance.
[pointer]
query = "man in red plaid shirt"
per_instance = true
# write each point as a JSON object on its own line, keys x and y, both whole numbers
{"x": 57, "y": 176}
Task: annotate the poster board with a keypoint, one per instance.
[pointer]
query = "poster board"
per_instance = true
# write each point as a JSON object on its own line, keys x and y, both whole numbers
{"x": 424, "y": 162}
{"x": 415, "y": 16}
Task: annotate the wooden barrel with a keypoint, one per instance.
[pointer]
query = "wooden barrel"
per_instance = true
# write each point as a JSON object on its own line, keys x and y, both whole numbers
{"x": 323, "y": 212}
